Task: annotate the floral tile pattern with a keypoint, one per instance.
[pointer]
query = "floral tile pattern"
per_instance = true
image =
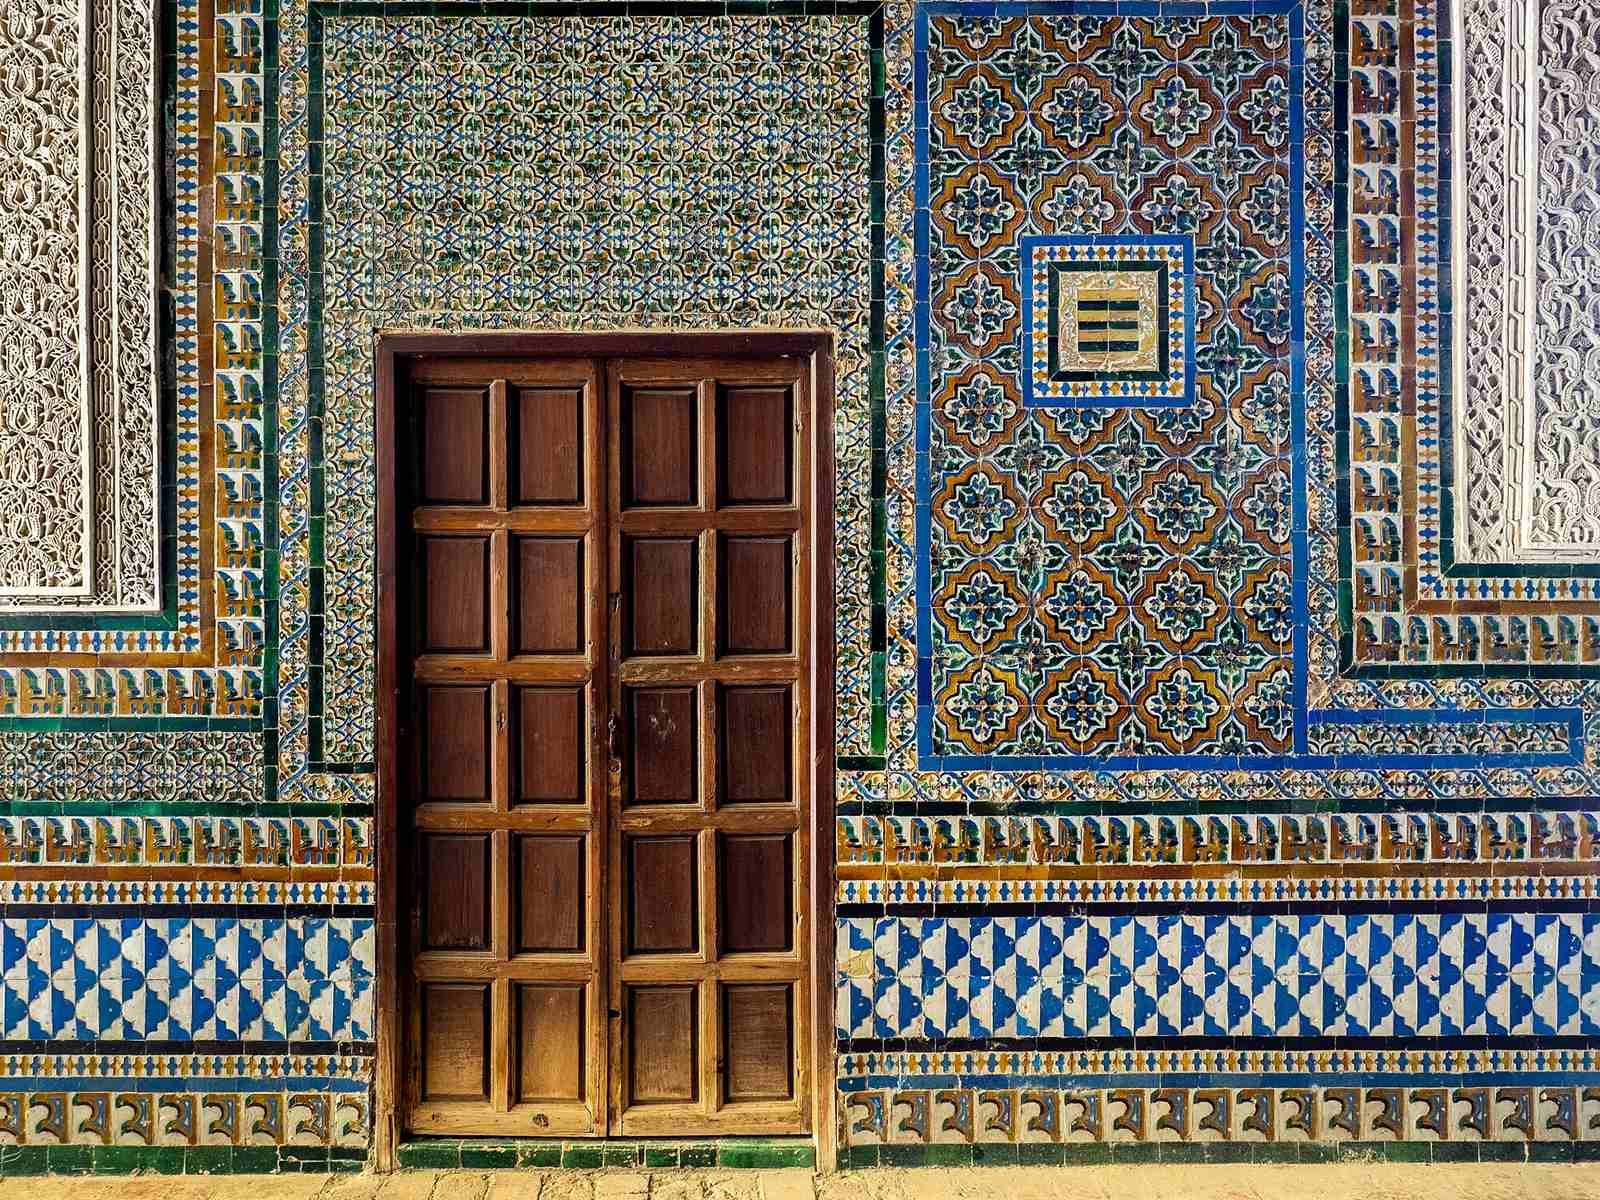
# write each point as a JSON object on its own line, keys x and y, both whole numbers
{"x": 411, "y": 104}
{"x": 1102, "y": 583}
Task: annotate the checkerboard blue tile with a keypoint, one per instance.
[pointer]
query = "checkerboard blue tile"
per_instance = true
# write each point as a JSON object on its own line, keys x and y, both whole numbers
{"x": 162, "y": 979}
{"x": 1225, "y": 975}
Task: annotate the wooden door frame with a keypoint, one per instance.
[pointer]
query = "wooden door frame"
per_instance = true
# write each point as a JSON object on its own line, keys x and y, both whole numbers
{"x": 817, "y": 347}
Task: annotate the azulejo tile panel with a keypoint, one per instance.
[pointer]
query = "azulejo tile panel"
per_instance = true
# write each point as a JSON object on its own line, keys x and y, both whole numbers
{"x": 141, "y": 1118}
{"x": 1083, "y": 1113}
{"x": 131, "y": 767}
{"x": 1222, "y": 975}
{"x": 1178, "y": 747}
{"x": 1100, "y": 583}
{"x": 132, "y": 1106}
{"x": 1381, "y": 797}
{"x": 163, "y": 844}
{"x": 1392, "y": 840}
{"x": 664, "y": 240}
{"x": 130, "y": 979}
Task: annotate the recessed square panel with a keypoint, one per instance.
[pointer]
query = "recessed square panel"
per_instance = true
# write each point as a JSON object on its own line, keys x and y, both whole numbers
{"x": 663, "y": 895}
{"x": 550, "y": 1043}
{"x": 550, "y": 887}
{"x": 455, "y": 871}
{"x": 755, "y": 595}
{"x": 455, "y": 605}
{"x": 757, "y": 1042}
{"x": 755, "y": 883}
{"x": 755, "y": 733}
{"x": 550, "y": 751}
{"x": 455, "y": 1041}
{"x": 1109, "y": 320}
{"x": 455, "y": 744}
{"x": 549, "y": 595}
{"x": 664, "y": 746}
{"x": 660, "y": 459}
{"x": 548, "y": 428}
{"x": 755, "y": 445}
{"x": 663, "y": 1035}
{"x": 663, "y": 602}
{"x": 455, "y": 446}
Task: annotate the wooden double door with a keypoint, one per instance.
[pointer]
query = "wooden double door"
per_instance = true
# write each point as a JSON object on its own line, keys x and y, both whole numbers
{"x": 604, "y": 744}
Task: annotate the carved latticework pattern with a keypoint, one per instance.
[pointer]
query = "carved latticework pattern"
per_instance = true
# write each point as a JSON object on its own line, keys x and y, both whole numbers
{"x": 43, "y": 420}
{"x": 1564, "y": 450}
{"x": 1527, "y": 242}
{"x": 79, "y": 422}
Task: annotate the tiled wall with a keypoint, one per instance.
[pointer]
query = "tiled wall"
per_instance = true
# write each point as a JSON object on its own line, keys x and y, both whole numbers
{"x": 1190, "y": 791}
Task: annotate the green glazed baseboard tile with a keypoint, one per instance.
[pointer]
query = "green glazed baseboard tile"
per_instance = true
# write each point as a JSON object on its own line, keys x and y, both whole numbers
{"x": 594, "y": 1155}
{"x": 178, "y": 1160}
{"x": 1030, "y": 1154}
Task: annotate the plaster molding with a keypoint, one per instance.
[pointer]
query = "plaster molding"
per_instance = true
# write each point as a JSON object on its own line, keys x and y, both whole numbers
{"x": 1525, "y": 250}
{"x": 79, "y": 390}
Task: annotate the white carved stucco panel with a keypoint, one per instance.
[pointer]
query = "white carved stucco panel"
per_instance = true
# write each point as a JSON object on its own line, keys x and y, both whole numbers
{"x": 1526, "y": 245}
{"x": 79, "y": 393}
{"x": 1563, "y": 444}
{"x": 44, "y": 415}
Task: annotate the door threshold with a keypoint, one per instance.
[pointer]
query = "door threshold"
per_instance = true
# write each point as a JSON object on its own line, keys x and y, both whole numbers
{"x": 588, "y": 1154}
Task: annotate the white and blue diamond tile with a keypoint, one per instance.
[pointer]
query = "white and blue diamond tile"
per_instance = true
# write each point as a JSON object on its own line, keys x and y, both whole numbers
{"x": 1296, "y": 975}
{"x": 222, "y": 978}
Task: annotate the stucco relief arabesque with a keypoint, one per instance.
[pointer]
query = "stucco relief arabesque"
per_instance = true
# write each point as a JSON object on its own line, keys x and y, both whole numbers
{"x": 1527, "y": 281}
{"x": 79, "y": 411}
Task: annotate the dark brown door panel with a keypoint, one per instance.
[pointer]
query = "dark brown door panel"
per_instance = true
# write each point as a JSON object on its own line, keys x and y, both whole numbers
{"x": 604, "y": 678}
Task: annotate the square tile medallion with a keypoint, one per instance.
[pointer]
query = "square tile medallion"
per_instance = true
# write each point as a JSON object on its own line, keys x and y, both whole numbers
{"x": 1108, "y": 320}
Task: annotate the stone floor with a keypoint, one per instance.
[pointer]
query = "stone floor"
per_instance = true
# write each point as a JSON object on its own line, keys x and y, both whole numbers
{"x": 1341, "y": 1182}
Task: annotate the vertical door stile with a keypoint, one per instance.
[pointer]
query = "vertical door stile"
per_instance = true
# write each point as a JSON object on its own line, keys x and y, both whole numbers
{"x": 710, "y": 1066}
{"x": 601, "y": 775}
{"x": 803, "y": 430}
{"x": 500, "y": 1023}
{"x": 616, "y": 617}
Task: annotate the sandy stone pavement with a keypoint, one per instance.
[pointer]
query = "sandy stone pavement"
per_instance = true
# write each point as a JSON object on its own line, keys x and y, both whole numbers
{"x": 1342, "y": 1182}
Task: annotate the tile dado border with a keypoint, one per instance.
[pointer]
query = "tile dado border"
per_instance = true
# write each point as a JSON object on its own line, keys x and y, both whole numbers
{"x": 113, "y": 1117}
{"x": 990, "y": 887}
{"x": 1212, "y": 840}
{"x": 161, "y": 843}
{"x": 222, "y": 1068}
{"x": 191, "y": 894}
{"x": 130, "y": 763}
{"x": 1417, "y": 1061}
{"x": 1049, "y": 1113}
